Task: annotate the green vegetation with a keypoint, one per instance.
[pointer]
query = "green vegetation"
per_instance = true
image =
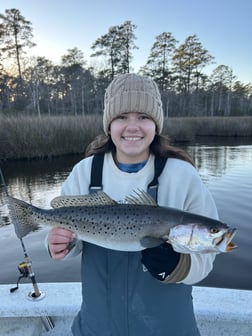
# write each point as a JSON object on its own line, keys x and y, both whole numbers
{"x": 33, "y": 137}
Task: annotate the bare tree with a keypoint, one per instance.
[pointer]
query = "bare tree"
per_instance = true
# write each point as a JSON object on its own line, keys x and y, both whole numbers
{"x": 222, "y": 80}
{"x": 39, "y": 78}
{"x": 73, "y": 69}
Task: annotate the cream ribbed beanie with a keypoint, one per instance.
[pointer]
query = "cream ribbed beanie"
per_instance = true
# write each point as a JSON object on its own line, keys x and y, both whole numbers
{"x": 132, "y": 93}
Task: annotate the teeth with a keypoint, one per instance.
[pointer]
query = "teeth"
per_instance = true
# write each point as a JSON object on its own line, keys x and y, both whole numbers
{"x": 132, "y": 138}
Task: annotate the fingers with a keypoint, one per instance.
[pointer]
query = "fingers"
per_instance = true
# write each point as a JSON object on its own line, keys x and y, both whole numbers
{"x": 58, "y": 240}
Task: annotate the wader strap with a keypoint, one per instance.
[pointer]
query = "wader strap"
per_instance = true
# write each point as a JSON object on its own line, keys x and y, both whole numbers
{"x": 158, "y": 168}
{"x": 96, "y": 175}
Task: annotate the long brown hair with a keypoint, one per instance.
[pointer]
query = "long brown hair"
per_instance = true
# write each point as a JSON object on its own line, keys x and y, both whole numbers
{"x": 160, "y": 146}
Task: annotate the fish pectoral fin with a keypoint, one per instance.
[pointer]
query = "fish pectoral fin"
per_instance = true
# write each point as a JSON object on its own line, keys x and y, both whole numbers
{"x": 94, "y": 199}
{"x": 149, "y": 242}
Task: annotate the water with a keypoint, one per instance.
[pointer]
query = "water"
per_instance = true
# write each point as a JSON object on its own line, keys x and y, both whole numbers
{"x": 225, "y": 169}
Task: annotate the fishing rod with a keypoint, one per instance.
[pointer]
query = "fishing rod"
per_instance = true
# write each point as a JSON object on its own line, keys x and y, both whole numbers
{"x": 25, "y": 267}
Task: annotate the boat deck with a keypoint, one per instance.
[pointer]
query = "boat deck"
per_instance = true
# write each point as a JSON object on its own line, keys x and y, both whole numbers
{"x": 218, "y": 311}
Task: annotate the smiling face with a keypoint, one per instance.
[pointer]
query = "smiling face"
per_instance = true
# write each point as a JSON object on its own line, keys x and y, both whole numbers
{"x": 132, "y": 133}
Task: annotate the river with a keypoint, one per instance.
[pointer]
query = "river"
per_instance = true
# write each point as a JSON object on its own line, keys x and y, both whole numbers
{"x": 225, "y": 167}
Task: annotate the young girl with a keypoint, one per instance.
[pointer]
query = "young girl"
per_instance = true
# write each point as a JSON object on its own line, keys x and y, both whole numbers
{"x": 136, "y": 293}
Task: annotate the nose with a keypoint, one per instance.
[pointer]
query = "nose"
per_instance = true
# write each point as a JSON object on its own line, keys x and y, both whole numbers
{"x": 132, "y": 124}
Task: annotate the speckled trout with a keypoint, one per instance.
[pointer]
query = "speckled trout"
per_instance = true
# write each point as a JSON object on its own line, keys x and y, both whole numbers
{"x": 133, "y": 225}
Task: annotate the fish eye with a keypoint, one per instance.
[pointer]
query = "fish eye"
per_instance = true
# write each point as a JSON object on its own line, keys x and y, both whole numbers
{"x": 214, "y": 230}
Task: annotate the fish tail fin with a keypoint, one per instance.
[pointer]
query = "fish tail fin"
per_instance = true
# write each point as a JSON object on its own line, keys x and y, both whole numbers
{"x": 21, "y": 217}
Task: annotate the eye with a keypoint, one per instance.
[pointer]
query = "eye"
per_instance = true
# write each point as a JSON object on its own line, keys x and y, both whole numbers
{"x": 143, "y": 116}
{"x": 214, "y": 230}
{"x": 121, "y": 116}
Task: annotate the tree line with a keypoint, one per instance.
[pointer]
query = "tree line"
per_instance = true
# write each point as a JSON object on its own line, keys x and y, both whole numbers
{"x": 35, "y": 85}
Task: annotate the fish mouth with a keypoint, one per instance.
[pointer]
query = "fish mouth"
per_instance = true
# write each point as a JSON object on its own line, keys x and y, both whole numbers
{"x": 225, "y": 244}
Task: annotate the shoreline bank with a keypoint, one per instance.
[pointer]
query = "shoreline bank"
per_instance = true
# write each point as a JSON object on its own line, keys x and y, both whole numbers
{"x": 28, "y": 137}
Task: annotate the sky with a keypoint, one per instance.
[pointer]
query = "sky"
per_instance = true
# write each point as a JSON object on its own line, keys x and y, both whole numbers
{"x": 224, "y": 27}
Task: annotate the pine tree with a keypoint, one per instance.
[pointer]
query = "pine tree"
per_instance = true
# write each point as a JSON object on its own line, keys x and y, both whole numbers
{"x": 16, "y": 34}
{"x": 116, "y": 47}
{"x": 158, "y": 65}
{"x": 189, "y": 59}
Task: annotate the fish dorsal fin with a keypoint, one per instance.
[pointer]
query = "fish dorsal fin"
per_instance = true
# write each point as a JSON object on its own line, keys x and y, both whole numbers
{"x": 94, "y": 199}
{"x": 140, "y": 197}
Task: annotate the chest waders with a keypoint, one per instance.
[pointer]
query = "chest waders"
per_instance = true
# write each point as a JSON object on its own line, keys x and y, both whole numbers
{"x": 119, "y": 299}
{"x": 96, "y": 175}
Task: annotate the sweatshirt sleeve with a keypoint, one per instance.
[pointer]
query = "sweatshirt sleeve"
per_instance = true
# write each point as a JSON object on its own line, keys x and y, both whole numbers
{"x": 202, "y": 203}
{"x": 202, "y": 263}
{"x": 194, "y": 197}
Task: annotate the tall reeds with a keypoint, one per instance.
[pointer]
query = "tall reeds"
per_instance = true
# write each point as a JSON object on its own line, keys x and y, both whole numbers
{"x": 31, "y": 137}
{"x": 34, "y": 137}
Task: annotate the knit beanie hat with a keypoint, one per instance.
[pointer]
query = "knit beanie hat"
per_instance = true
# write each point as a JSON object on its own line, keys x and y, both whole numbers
{"x": 132, "y": 93}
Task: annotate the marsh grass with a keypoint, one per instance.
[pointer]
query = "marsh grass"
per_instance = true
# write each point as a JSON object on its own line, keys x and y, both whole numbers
{"x": 33, "y": 137}
{"x": 186, "y": 129}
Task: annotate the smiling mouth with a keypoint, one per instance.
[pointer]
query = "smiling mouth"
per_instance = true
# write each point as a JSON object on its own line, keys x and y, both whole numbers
{"x": 132, "y": 138}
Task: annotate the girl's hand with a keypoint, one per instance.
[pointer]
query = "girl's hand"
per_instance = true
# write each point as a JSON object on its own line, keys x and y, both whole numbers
{"x": 58, "y": 241}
